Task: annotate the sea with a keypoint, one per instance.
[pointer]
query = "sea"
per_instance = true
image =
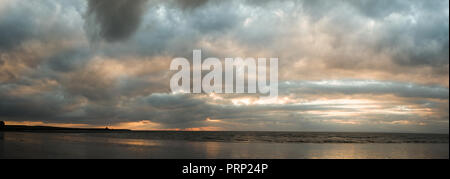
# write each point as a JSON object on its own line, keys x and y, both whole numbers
{"x": 222, "y": 145}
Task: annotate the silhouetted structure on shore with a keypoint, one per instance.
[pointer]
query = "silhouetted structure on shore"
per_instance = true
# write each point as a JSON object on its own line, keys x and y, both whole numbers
{"x": 2, "y": 124}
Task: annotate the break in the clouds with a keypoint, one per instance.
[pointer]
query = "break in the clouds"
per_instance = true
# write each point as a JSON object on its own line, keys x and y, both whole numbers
{"x": 345, "y": 65}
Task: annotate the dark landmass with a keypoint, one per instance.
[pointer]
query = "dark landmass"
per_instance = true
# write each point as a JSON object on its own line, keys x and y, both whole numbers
{"x": 21, "y": 128}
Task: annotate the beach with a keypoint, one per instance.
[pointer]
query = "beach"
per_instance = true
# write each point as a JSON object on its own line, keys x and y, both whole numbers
{"x": 39, "y": 145}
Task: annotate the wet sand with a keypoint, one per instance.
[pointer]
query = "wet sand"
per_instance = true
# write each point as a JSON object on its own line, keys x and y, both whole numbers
{"x": 80, "y": 146}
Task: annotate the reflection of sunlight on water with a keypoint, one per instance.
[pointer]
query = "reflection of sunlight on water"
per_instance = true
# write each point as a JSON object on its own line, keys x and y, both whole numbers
{"x": 135, "y": 142}
{"x": 338, "y": 152}
{"x": 137, "y": 147}
{"x": 218, "y": 150}
{"x": 212, "y": 149}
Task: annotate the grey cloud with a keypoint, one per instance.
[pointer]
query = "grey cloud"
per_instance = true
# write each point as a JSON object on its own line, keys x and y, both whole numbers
{"x": 117, "y": 19}
{"x": 45, "y": 105}
{"x": 380, "y": 8}
{"x": 183, "y": 111}
{"x": 168, "y": 29}
{"x": 186, "y": 111}
{"x": 351, "y": 87}
{"x": 173, "y": 101}
{"x": 190, "y": 4}
{"x": 177, "y": 111}
{"x": 413, "y": 37}
{"x": 412, "y": 34}
{"x": 69, "y": 60}
{"x": 23, "y": 108}
{"x": 176, "y": 27}
{"x": 23, "y": 21}
{"x": 13, "y": 32}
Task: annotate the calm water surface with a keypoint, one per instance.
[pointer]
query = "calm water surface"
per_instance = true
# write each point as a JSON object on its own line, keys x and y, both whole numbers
{"x": 222, "y": 145}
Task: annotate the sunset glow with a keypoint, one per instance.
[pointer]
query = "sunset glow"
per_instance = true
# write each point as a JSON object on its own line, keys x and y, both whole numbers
{"x": 342, "y": 65}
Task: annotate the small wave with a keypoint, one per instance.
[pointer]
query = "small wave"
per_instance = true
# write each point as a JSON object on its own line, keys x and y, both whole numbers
{"x": 283, "y": 137}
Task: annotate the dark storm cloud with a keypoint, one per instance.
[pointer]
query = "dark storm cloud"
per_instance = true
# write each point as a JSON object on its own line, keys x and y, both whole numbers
{"x": 117, "y": 19}
{"x": 173, "y": 101}
{"x": 174, "y": 27}
{"x": 190, "y": 4}
{"x": 45, "y": 104}
{"x": 25, "y": 108}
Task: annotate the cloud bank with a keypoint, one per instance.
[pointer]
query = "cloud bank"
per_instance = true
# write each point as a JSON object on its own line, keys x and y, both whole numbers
{"x": 344, "y": 65}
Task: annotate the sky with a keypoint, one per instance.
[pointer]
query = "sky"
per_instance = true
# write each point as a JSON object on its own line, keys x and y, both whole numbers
{"x": 344, "y": 65}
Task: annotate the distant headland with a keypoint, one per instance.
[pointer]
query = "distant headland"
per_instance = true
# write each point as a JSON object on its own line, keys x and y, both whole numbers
{"x": 23, "y": 128}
